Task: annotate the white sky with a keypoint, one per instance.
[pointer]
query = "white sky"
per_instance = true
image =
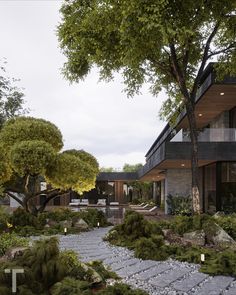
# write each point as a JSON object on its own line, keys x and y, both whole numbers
{"x": 94, "y": 116}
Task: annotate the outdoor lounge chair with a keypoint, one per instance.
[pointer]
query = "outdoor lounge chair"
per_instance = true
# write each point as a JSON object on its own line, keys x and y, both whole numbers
{"x": 145, "y": 207}
{"x": 137, "y": 206}
{"x": 101, "y": 202}
{"x": 84, "y": 202}
{"x": 74, "y": 202}
{"x": 114, "y": 203}
{"x": 152, "y": 211}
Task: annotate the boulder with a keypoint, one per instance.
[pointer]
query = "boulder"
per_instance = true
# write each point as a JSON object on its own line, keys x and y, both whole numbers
{"x": 197, "y": 237}
{"x": 94, "y": 276}
{"x": 51, "y": 223}
{"x": 15, "y": 252}
{"x": 219, "y": 214}
{"x": 66, "y": 223}
{"x": 81, "y": 224}
{"x": 221, "y": 238}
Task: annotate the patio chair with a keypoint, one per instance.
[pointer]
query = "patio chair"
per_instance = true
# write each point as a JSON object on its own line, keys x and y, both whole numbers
{"x": 101, "y": 202}
{"x": 152, "y": 211}
{"x": 137, "y": 206}
{"x": 74, "y": 202}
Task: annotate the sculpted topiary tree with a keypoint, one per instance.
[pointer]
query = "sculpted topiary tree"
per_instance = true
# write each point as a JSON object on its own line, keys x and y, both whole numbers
{"x": 30, "y": 151}
{"x": 167, "y": 43}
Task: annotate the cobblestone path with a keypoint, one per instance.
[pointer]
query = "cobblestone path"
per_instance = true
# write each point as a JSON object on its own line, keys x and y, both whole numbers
{"x": 157, "y": 278}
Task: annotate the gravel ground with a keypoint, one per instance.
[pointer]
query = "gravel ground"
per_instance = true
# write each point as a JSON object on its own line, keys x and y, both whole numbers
{"x": 155, "y": 277}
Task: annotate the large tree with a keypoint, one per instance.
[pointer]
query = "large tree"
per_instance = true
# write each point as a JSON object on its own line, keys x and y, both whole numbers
{"x": 30, "y": 153}
{"x": 11, "y": 97}
{"x": 167, "y": 43}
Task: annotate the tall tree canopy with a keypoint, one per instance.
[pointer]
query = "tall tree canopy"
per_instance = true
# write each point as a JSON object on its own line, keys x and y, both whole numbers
{"x": 11, "y": 97}
{"x": 30, "y": 151}
{"x": 167, "y": 43}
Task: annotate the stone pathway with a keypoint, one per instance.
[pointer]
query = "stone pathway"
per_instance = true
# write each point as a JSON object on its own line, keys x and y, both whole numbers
{"x": 157, "y": 278}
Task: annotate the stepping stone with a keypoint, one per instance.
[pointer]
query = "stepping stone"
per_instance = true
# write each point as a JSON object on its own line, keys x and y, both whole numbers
{"x": 111, "y": 260}
{"x": 152, "y": 272}
{"x": 133, "y": 269}
{"x": 125, "y": 263}
{"x": 188, "y": 283}
{"x": 215, "y": 286}
{"x": 164, "y": 279}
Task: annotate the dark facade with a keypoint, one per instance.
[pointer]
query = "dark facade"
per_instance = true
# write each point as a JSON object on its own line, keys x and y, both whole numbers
{"x": 168, "y": 160}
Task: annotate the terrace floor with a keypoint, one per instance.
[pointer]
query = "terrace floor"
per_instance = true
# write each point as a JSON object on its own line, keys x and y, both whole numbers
{"x": 156, "y": 277}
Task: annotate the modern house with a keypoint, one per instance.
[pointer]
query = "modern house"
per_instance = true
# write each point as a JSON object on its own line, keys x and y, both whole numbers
{"x": 168, "y": 159}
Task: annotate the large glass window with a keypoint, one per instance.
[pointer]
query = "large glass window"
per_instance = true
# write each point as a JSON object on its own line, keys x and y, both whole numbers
{"x": 228, "y": 187}
{"x": 210, "y": 188}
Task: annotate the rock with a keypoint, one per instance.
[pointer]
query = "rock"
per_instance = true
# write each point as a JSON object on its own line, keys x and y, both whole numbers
{"x": 197, "y": 237}
{"x": 15, "y": 252}
{"x": 66, "y": 223}
{"x": 94, "y": 276}
{"x": 51, "y": 223}
{"x": 221, "y": 238}
{"x": 81, "y": 224}
{"x": 167, "y": 232}
{"x": 47, "y": 226}
{"x": 218, "y": 214}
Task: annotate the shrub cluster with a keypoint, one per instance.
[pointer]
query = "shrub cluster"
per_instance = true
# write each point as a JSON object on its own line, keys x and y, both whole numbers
{"x": 26, "y": 224}
{"x": 147, "y": 241}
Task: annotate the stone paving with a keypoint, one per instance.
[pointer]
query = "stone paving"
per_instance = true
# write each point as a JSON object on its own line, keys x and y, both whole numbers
{"x": 157, "y": 278}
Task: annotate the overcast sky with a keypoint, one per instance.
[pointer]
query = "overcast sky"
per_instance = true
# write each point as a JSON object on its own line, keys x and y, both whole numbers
{"x": 94, "y": 116}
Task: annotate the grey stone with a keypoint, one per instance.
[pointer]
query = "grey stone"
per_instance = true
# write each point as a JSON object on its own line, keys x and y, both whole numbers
{"x": 165, "y": 279}
{"x": 153, "y": 272}
{"x": 197, "y": 237}
{"x": 221, "y": 237}
{"x": 191, "y": 281}
{"x": 66, "y": 223}
{"x": 215, "y": 286}
{"x": 81, "y": 224}
{"x": 125, "y": 263}
{"x": 133, "y": 269}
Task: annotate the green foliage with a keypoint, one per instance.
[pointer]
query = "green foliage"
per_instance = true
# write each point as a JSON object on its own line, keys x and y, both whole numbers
{"x": 132, "y": 168}
{"x": 10, "y": 240}
{"x": 4, "y": 218}
{"x": 179, "y": 205}
{"x": 30, "y": 129}
{"x": 103, "y": 272}
{"x": 11, "y": 97}
{"x": 151, "y": 248}
{"x": 228, "y": 223}
{"x": 31, "y": 156}
{"x": 21, "y": 218}
{"x": 71, "y": 286}
{"x": 29, "y": 150}
{"x": 133, "y": 228}
{"x": 121, "y": 289}
{"x": 224, "y": 263}
{"x": 99, "y": 33}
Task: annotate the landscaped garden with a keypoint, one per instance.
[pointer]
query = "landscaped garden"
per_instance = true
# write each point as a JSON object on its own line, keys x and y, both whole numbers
{"x": 47, "y": 270}
{"x": 198, "y": 239}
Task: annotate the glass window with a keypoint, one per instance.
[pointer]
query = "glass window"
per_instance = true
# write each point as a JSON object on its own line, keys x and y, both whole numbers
{"x": 228, "y": 187}
{"x": 210, "y": 188}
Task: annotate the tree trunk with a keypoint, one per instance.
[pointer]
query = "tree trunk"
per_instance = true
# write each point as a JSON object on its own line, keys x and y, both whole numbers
{"x": 194, "y": 155}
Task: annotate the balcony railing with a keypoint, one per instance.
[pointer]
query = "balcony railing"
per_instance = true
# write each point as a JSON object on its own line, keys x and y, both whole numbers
{"x": 208, "y": 135}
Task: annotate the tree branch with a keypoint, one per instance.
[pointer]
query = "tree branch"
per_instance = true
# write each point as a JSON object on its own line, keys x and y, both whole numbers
{"x": 49, "y": 198}
{"x": 178, "y": 72}
{"x": 233, "y": 45}
{"x": 10, "y": 194}
{"x": 204, "y": 59}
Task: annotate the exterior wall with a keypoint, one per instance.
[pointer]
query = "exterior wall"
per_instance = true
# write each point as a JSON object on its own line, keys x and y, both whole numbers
{"x": 177, "y": 182}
